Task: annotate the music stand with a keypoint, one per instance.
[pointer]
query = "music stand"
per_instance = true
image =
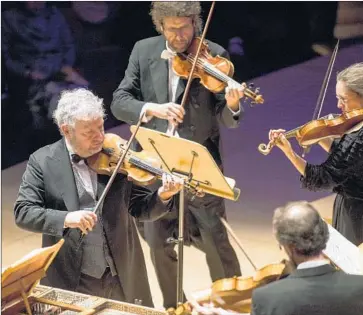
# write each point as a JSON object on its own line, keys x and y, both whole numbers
{"x": 194, "y": 163}
{"x": 19, "y": 279}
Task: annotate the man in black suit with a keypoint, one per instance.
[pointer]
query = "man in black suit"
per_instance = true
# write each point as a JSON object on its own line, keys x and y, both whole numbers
{"x": 315, "y": 287}
{"x": 151, "y": 86}
{"x": 56, "y": 197}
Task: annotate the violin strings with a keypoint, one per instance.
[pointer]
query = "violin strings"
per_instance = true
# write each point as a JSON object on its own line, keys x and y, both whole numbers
{"x": 152, "y": 169}
{"x": 147, "y": 167}
{"x": 218, "y": 74}
{"x": 212, "y": 70}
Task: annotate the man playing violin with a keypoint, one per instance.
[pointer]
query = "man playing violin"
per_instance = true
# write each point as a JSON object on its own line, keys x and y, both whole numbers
{"x": 343, "y": 170}
{"x": 315, "y": 287}
{"x": 151, "y": 86}
{"x": 56, "y": 197}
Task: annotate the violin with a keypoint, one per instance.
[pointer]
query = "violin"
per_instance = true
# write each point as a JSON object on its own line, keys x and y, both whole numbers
{"x": 142, "y": 168}
{"x": 235, "y": 294}
{"x": 331, "y": 126}
{"x": 214, "y": 72}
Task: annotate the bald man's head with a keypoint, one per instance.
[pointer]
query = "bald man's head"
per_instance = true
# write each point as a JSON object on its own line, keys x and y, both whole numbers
{"x": 300, "y": 226}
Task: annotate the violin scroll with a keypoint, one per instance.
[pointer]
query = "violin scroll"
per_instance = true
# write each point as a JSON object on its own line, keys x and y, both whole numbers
{"x": 253, "y": 93}
{"x": 265, "y": 149}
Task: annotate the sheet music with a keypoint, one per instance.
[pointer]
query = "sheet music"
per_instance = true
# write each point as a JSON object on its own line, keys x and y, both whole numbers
{"x": 343, "y": 253}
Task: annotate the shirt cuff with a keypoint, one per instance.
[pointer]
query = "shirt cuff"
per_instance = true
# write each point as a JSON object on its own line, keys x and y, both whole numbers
{"x": 165, "y": 202}
{"x": 237, "y": 113}
{"x": 145, "y": 119}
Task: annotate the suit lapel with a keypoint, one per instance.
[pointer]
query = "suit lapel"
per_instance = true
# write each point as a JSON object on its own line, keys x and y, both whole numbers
{"x": 63, "y": 174}
{"x": 159, "y": 70}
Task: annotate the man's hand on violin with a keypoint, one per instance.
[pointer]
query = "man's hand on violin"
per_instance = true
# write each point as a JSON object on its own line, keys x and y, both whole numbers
{"x": 172, "y": 112}
{"x": 233, "y": 95}
{"x": 82, "y": 219}
{"x": 171, "y": 186}
{"x": 277, "y": 137}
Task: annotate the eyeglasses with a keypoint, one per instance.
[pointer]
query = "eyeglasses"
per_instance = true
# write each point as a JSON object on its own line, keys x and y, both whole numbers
{"x": 342, "y": 100}
{"x": 180, "y": 30}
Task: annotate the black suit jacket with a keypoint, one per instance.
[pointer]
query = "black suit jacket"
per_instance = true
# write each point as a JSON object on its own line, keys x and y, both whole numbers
{"x": 146, "y": 80}
{"x": 314, "y": 291}
{"x": 48, "y": 192}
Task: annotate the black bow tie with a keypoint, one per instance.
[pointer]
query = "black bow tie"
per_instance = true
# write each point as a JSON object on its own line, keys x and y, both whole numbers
{"x": 76, "y": 158}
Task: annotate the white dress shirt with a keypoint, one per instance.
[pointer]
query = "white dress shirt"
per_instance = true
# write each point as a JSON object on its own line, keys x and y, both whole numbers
{"x": 87, "y": 175}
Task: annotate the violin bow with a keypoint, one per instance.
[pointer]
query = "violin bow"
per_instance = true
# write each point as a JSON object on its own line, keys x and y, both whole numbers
{"x": 113, "y": 175}
{"x": 190, "y": 78}
{"x": 234, "y": 236}
{"x": 323, "y": 89}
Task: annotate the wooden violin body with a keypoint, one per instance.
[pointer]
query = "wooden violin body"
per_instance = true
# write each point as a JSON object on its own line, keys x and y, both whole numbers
{"x": 141, "y": 167}
{"x": 235, "y": 293}
{"x": 214, "y": 72}
{"x": 317, "y": 130}
{"x": 182, "y": 67}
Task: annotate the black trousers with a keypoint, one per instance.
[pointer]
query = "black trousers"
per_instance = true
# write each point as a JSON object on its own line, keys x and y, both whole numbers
{"x": 204, "y": 230}
{"x": 108, "y": 287}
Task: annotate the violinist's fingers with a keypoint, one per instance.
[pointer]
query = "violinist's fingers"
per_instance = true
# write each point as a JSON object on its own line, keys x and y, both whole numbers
{"x": 163, "y": 177}
{"x": 178, "y": 110}
{"x": 236, "y": 93}
{"x": 83, "y": 228}
{"x": 279, "y": 132}
{"x": 166, "y": 182}
{"x": 173, "y": 116}
{"x": 86, "y": 224}
{"x": 274, "y": 133}
{"x": 91, "y": 220}
{"x": 173, "y": 122}
{"x": 270, "y": 135}
{"x": 240, "y": 93}
{"x": 282, "y": 142}
{"x": 177, "y": 183}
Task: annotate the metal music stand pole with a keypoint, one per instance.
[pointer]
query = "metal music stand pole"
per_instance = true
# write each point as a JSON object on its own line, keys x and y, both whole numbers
{"x": 196, "y": 166}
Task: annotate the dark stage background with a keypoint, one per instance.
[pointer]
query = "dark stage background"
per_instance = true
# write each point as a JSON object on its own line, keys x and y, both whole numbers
{"x": 260, "y": 36}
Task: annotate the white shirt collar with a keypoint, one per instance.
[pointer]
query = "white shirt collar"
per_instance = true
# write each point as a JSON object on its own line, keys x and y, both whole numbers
{"x": 169, "y": 49}
{"x": 355, "y": 128}
{"x": 313, "y": 264}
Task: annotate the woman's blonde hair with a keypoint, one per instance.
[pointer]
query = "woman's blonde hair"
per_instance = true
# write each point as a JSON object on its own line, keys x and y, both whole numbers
{"x": 353, "y": 78}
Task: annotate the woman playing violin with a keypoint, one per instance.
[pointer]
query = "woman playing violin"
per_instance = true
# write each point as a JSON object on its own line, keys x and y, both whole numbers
{"x": 343, "y": 170}
{"x": 151, "y": 85}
